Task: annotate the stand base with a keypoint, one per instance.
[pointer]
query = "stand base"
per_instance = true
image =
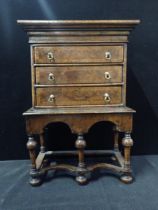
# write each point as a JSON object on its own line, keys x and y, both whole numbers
{"x": 37, "y": 120}
{"x": 82, "y": 177}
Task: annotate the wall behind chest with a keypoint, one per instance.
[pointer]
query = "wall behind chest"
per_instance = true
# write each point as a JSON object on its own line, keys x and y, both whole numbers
{"x": 15, "y": 85}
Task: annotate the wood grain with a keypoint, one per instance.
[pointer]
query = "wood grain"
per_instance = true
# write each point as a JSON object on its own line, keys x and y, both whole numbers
{"x": 78, "y": 54}
{"x": 77, "y": 96}
{"x": 74, "y": 53}
{"x": 79, "y": 75}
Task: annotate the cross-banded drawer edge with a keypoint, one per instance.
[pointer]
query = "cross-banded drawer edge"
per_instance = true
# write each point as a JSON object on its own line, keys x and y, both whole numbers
{"x": 74, "y": 96}
{"x": 78, "y": 54}
{"x": 78, "y": 75}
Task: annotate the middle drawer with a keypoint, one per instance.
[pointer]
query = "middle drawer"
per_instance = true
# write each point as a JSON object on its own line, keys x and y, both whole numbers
{"x": 78, "y": 75}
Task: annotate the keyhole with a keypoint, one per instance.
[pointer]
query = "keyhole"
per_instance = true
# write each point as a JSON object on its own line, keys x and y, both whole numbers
{"x": 107, "y": 75}
{"x": 51, "y": 77}
{"x": 108, "y": 55}
{"x": 50, "y": 56}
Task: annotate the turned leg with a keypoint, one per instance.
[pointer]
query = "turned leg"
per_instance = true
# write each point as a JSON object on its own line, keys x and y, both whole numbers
{"x": 127, "y": 143}
{"x": 42, "y": 157}
{"x": 80, "y": 145}
{"x": 31, "y": 146}
{"x": 42, "y": 143}
{"x": 116, "y": 137}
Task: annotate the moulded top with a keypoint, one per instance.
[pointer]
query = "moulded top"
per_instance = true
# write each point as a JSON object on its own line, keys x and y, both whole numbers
{"x": 44, "y": 25}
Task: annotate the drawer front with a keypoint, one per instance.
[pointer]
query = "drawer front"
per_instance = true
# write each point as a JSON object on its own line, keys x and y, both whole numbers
{"x": 78, "y": 54}
{"x": 78, "y": 75}
{"x": 76, "y": 96}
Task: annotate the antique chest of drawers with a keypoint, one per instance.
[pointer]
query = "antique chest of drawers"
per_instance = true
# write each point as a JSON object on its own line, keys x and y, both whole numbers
{"x": 78, "y": 74}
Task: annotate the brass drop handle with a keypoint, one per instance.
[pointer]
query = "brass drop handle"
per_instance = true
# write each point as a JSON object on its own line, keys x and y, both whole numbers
{"x": 51, "y": 77}
{"x": 107, "y": 75}
{"x": 51, "y": 98}
{"x": 108, "y": 55}
{"x": 107, "y": 98}
{"x": 50, "y": 56}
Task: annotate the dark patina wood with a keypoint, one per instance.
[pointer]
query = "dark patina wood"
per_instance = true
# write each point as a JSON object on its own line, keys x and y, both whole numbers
{"x": 77, "y": 54}
{"x": 79, "y": 78}
{"x": 61, "y": 75}
{"x": 78, "y": 96}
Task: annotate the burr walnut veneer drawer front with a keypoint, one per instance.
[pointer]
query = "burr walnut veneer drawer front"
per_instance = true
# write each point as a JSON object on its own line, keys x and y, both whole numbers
{"x": 79, "y": 75}
{"x": 74, "y": 96}
{"x": 78, "y": 54}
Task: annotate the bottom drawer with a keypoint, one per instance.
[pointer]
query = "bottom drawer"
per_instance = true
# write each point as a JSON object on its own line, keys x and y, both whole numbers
{"x": 77, "y": 96}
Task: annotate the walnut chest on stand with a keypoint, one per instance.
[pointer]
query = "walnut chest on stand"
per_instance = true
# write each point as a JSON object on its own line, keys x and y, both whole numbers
{"x": 78, "y": 70}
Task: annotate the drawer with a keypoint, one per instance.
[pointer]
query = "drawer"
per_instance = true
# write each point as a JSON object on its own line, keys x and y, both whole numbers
{"x": 76, "y": 96}
{"x": 78, "y": 54}
{"x": 78, "y": 75}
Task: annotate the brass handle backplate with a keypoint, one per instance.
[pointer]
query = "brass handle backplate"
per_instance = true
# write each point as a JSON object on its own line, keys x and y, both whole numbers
{"x": 51, "y": 98}
{"x": 107, "y": 75}
{"x": 51, "y": 77}
{"x": 50, "y": 56}
{"x": 107, "y": 98}
{"x": 108, "y": 55}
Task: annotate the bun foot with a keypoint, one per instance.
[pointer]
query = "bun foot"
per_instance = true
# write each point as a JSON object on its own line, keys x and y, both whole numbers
{"x": 126, "y": 178}
{"x": 81, "y": 179}
{"x": 35, "y": 182}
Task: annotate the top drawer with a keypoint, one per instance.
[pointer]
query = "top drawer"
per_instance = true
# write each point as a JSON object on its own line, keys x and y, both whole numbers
{"x": 78, "y": 54}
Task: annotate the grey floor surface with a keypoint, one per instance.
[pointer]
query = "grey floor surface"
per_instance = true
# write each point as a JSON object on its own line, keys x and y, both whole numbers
{"x": 104, "y": 192}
